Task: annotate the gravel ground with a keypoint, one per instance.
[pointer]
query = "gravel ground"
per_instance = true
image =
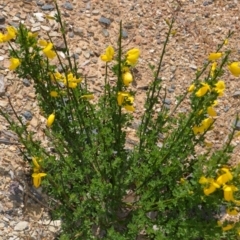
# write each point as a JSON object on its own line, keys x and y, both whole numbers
{"x": 92, "y": 25}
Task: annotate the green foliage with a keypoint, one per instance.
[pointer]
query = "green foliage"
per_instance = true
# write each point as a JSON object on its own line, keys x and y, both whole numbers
{"x": 104, "y": 189}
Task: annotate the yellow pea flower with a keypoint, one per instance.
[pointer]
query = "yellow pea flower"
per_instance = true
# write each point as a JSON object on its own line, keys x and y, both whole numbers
{"x": 226, "y": 41}
{"x": 204, "y": 180}
{"x": 213, "y": 68}
{"x": 203, "y": 90}
{"x": 132, "y": 56}
{"x": 232, "y": 212}
{"x": 198, "y": 130}
{"x": 224, "y": 178}
{"x": 212, "y": 188}
{"x": 2, "y": 38}
{"x": 42, "y": 42}
{"x": 227, "y": 227}
{"x": 36, "y": 165}
{"x": 48, "y": 51}
{"x": 228, "y": 192}
{"x": 191, "y": 88}
{"x": 127, "y": 78}
{"x": 71, "y": 81}
{"x": 126, "y": 100}
{"x": 234, "y": 68}
{"x": 206, "y": 123}
{"x": 11, "y": 34}
{"x": 88, "y": 96}
{"x": 108, "y": 56}
{"x": 211, "y": 112}
{"x": 208, "y": 144}
{"x": 212, "y": 185}
{"x": 37, "y": 178}
{"x": 220, "y": 87}
{"x": 50, "y": 120}
{"x": 14, "y": 63}
{"x": 214, "y": 56}
{"x": 53, "y": 93}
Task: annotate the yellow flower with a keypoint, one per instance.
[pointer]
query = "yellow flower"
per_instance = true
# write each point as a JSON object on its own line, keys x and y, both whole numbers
{"x": 11, "y": 34}
{"x": 126, "y": 100}
{"x": 220, "y": 87}
{"x": 2, "y": 38}
{"x": 211, "y": 112}
{"x": 232, "y": 212}
{"x": 53, "y": 93}
{"x": 48, "y": 51}
{"x": 71, "y": 81}
{"x": 37, "y": 178}
{"x": 198, "y": 130}
{"x": 15, "y": 62}
{"x": 213, "y": 68}
{"x": 108, "y": 56}
{"x": 226, "y": 41}
{"x": 215, "y": 103}
{"x": 227, "y": 227}
{"x": 191, "y": 88}
{"x": 127, "y": 78}
{"x": 42, "y": 43}
{"x": 234, "y": 68}
{"x": 206, "y": 123}
{"x": 203, "y": 90}
{"x": 224, "y": 178}
{"x": 228, "y": 192}
{"x": 132, "y": 56}
{"x": 50, "y": 120}
{"x": 208, "y": 144}
{"x": 36, "y": 165}
{"x": 204, "y": 180}
{"x": 88, "y": 96}
{"x": 214, "y": 56}
{"x": 212, "y": 185}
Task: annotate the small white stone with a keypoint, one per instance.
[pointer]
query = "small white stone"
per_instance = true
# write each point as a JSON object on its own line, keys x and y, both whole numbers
{"x": 35, "y": 29}
{"x": 21, "y": 226}
{"x": 46, "y": 28}
{"x": 39, "y": 16}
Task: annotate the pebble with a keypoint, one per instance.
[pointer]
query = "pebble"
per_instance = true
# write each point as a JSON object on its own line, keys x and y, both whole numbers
{"x": 105, "y": 33}
{"x": 2, "y": 86}
{"x": 124, "y": 34}
{"x": 237, "y": 125}
{"x": 75, "y": 56}
{"x": 78, "y": 31}
{"x": 35, "y": 29}
{"x": 47, "y": 7}
{"x": 23, "y": 225}
{"x": 2, "y": 225}
{"x": 45, "y": 28}
{"x": 16, "y": 19}
{"x": 88, "y": 6}
{"x": 207, "y": 3}
{"x": 2, "y": 19}
{"x": 68, "y": 6}
{"x": 167, "y": 101}
{"x": 39, "y": 3}
{"x": 71, "y": 34}
{"x": 193, "y": 66}
{"x": 54, "y": 34}
{"x": 236, "y": 94}
{"x": 95, "y": 12}
{"x": 86, "y": 54}
{"x": 104, "y": 20}
{"x": 28, "y": 115}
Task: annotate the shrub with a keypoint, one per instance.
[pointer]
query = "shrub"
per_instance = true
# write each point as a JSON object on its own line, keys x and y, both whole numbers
{"x": 163, "y": 187}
